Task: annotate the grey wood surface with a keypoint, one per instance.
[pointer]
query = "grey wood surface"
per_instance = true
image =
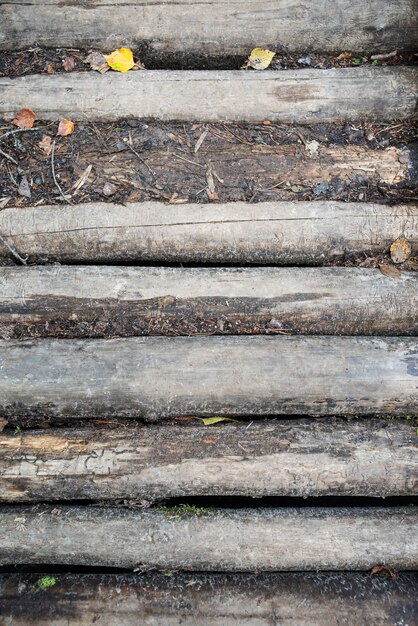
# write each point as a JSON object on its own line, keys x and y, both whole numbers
{"x": 158, "y": 377}
{"x": 293, "y": 96}
{"x": 217, "y": 27}
{"x": 303, "y": 458}
{"x": 238, "y": 232}
{"x": 305, "y": 599}
{"x": 245, "y": 540}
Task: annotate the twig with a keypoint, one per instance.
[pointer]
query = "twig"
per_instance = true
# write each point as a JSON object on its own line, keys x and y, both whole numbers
{"x": 381, "y": 57}
{"x": 142, "y": 161}
{"x": 53, "y": 174}
{"x": 18, "y": 130}
{"x": 7, "y": 156}
{"x": 189, "y": 161}
{"x": 13, "y": 251}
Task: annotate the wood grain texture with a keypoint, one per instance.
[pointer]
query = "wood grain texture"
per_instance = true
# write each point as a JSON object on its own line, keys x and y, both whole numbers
{"x": 238, "y": 232}
{"x": 82, "y": 301}
{"x": 158, "y": 377}
{"x": 291, "y": 96}
{"x": 303, "y": 458}
{"x": 212, "y": 26}
{"x": 305, "y": 599}
{"x": 245, "y": 540}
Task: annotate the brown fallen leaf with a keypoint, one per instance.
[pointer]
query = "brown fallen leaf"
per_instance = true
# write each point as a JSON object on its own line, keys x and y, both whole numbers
{"x": 3, "y": 423}
{"x": 68, "y": 64}
{"x": 389, "y": 270}
{"x": 97, "y": 62}
{"x": 50, "y": 69}
{"x": 24, "y": 119}
{"x": 344, "y": 55}
{"x": 382, "y": 570}
{"x": 400, "y": 250}
{"x": 45, "y": 145}
{"x": 65, "y": 128}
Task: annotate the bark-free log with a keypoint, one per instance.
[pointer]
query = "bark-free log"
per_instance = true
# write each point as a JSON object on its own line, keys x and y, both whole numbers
{"x": 221, "y": 540}
{"x": 298, "y": 458}
{"x": 104, "y": 301}
{"x": 157, "y": 377}
{"x": 305, "y": 599}
{"x": 238, "y": 232}
{"x": 207, "y": 27}
{"x": 291, "y": 96}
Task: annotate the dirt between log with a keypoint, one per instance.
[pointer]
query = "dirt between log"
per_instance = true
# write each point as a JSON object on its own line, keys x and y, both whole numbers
{"x": 138, "y": 160}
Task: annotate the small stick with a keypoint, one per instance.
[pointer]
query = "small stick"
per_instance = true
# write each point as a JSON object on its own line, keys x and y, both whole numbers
{"x": 18, "y": 130}
{"x": 142, "y": 161}
{"x": 7, "y": 156}
{"x": 381, "y": 57}
{"x": 189, "y": 161}
{"x": 13, "y": 251}
{"x": 53, "y": 174}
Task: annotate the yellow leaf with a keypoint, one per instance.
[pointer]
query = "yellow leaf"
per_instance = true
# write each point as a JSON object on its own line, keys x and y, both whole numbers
{"x": 121, "y": 60}
{"x": 260, "y": 59}
{"x": 65, "y": 128}
{"x": 208, "y": 421}
{"x": 400, "y": 250}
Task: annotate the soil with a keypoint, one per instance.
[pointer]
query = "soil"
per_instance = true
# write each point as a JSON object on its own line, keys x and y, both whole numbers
{"x": 49, "y": 60}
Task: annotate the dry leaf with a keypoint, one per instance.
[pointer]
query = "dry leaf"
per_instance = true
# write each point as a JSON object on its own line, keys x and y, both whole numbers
{"x": 400, "y": 250}
{"x": 389, "y": 270}
{"x": 208, "y": 421}
{"x": 344, "y": 55}
{"x": 200, "y": 140}
{"x": 45, "y": 144}
{"x": 83, "y": 178}
{"x": 68, "y": 64}
{"x": 65, "y": 128}
{"x": 260, "y": 59}
{"x": 50, "y": 69}
{"x": 4, "y": 201}
{"x": 24, "y": 119}
{"x": 121, "y": 60}
{"x": 3, "y": 423}
{"x": 382, "y": 570}
{"x": 97, "y": 62}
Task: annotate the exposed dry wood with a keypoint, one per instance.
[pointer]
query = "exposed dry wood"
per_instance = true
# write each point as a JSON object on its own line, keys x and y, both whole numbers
{"x": 300, "y": 96}
{"x": 282, "y": 232}
{"x": 109, "y": 301}
{"x": 211, "y": 27}
{"x": 157, "y": 377}
{"x": 298, "y": 458}
{"x": 306, "y": 599}
{"x": 221, "y": 540}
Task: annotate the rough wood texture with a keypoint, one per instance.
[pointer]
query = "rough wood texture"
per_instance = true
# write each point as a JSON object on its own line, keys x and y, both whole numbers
{"x": 300, "y": 96}
{"x": 305, "y": 599}
{"x": 221, "y": 540}
{"x": 302, "y": 458}
{"x": 211, "y": 27}
{"x": 157, "y": 377}
{"x": 282, "y": 232}
{"x": 109, "y": 301}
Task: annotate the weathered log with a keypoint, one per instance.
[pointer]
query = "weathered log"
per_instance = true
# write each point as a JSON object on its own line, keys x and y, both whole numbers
{"x": 110, "y": 301}
{"x": 157, "y": 377}
{"x": 291, "y": 96}
{"x": 208, "y": 27}
{"x": 282, "y": 232}
{"x": 211, "y": 540}
{"x": 302, "y": 458}
{"x": 306, "y": 599}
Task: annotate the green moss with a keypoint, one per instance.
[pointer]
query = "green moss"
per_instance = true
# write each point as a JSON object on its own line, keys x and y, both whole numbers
{"x": 185, "y": 510}
{"x": 46, "y": 582}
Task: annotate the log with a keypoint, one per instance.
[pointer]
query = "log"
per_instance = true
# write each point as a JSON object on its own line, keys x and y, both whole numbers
{"x": 306, "y": 599}
{"x": 209, "y": 27}
{"x": 94, "y": 301}
{"x": 303, "y": 458}
{"x": 291, "y": 96}
{"x": 273, "y": 232}
{"x": 245, "y": 540}
{"x": 159, "y": 377}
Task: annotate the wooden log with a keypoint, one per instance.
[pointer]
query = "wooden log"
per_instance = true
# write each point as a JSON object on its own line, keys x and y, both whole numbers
{"x": 303, "y": 458}
{"x": 110, "y": 301}
{"x": 206, "y": 27}
{"x": 158, "y": 377}
{"x": 291, "y": 96}
{"x": 306, "y": 599}
{"x": 282, "y": 232}
{"x": 242, "y": 540}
